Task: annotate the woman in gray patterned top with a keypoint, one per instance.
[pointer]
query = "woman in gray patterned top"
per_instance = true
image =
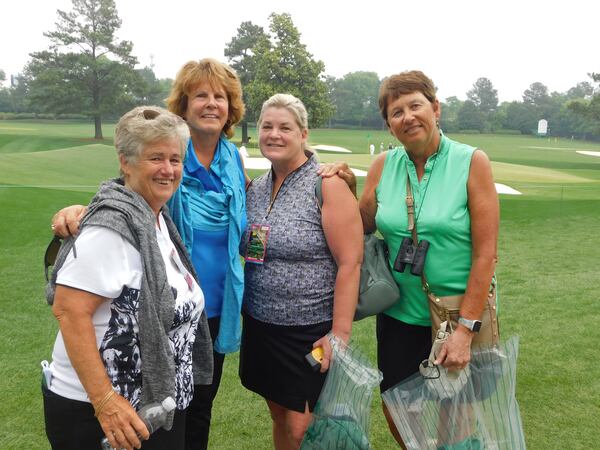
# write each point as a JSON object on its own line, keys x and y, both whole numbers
{"x": 301, "y": 274}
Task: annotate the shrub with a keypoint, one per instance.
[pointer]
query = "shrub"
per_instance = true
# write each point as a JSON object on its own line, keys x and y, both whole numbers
{"x": 507, "y": 131}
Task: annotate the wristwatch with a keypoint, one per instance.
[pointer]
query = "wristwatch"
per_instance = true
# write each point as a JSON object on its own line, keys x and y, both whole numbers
{"x": 473, "y": 325}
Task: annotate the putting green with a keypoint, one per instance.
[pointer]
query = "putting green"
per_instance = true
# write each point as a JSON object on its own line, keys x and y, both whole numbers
{"x": 506, "y": 172}
{"x": 76, "y": 168}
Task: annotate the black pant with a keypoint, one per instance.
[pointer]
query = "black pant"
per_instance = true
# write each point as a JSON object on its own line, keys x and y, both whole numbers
{"x": 71, "y": 425}
{"x": 199, "y": 411}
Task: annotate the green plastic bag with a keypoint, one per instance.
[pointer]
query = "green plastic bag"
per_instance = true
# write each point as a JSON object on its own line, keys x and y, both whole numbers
{"x": 341, "y": 416}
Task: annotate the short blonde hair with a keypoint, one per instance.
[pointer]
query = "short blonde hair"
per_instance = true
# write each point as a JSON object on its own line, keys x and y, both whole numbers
{"x": 216, "y": 74}
{"x": 293, "y": 104}
{"x": 146, "y": 124}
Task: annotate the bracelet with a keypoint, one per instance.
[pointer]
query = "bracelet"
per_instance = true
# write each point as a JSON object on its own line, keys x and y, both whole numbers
{"x": 98, "y": 409}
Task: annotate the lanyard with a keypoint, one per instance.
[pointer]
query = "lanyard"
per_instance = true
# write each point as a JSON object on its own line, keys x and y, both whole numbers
{"x": 410, "y": 200}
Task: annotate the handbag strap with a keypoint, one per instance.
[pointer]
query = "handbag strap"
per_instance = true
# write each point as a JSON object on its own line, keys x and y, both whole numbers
{"x": 412, "y": 227}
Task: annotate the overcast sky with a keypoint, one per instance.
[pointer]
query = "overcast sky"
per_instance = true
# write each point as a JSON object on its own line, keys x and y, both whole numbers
{"x": 512, "y": 42}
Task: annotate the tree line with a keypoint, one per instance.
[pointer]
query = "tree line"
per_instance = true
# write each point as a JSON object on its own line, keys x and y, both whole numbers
{"x": 87, "y": 72}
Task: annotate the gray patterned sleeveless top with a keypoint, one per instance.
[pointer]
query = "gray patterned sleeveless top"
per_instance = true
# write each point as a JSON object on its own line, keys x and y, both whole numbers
{"x": 294, "y": 286}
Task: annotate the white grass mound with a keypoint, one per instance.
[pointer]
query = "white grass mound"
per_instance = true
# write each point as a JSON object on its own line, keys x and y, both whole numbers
{"x": 330, "y": 148}
{"x": 583, "y": 152}
{"x": 263, "y": 163}
{"x": 504, "y": 189}
{"x": 257, "y": 163}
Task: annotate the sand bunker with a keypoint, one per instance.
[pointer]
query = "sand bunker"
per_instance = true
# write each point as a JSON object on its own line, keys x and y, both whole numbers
{"x": 330, "y": 148}
{"x": 257, "y": 163}
{"x": 504, "y": 189}
{"x": 263, "y": 163}
{"x": 583, "y": 152}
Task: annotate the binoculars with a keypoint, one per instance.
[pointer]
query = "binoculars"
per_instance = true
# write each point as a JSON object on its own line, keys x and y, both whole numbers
{"x": 413, "y": 255}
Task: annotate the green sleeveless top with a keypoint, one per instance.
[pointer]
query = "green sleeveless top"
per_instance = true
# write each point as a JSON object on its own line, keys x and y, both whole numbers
{"x": 442, "y": 217}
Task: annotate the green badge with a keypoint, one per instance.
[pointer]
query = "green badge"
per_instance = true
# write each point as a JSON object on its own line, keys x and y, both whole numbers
{"x": 256, "y": 249}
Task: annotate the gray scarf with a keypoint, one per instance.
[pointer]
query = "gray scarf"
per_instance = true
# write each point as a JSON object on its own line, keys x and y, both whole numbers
{"x": 122, "y": 210}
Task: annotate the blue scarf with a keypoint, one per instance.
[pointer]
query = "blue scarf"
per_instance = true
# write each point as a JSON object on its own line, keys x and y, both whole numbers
{"x": 192, "y": 205}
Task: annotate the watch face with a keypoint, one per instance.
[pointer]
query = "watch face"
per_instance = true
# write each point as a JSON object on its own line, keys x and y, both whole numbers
{"x": 473, "y": 325}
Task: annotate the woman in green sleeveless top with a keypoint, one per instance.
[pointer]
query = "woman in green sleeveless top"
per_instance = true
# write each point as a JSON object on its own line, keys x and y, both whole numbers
{"x": 456, "y": 210}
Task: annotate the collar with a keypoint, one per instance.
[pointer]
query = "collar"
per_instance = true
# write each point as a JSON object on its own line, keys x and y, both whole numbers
{"x": 311, "y": 161}
{"x": 191, "y": 163}
{"x": 443, "y": 146}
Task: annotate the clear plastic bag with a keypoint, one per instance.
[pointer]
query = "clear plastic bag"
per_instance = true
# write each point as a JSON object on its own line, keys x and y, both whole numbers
{"x": 341, "y": 416}
{"x": 481, "y": 414}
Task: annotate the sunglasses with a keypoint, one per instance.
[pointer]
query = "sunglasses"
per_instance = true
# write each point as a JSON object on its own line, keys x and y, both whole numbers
{"x": 429, "y": 370}
{"x": 51, "y": 254}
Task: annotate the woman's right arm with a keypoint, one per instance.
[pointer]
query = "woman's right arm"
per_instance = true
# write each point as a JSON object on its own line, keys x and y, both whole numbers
{"x": 368, "y": 199}
{"x": 74, "y": 310}
{"x": 65, "y": 222}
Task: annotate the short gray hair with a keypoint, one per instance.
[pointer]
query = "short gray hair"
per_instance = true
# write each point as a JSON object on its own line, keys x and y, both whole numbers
{"x": 146, "y": 124}
{"x": 293, "y": 104}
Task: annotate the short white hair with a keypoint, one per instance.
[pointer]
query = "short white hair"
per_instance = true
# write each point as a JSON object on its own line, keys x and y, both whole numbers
{"x": 146, "y": 124}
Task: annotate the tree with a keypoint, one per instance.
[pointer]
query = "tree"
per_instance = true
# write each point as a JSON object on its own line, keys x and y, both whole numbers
{"x": 355, "y": 97}
{"x": 97, "y": 78}
{"x": 241, "y": 56}
{"x": 484, "y": 96}
{"x": 469, "y": 117}
{"x": 589, "y": 110}
{"x": 152, "y": 91}
{"x": 449, "y": 115}
{"x": 4, "y": 94}
{"x": 536, "y": 95}
{"x": 521, "y": 116}
{"x": 583, "y": 89}
{"x": 279, "y": 62}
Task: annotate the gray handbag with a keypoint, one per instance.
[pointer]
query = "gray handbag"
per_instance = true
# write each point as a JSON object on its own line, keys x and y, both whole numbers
{"x": 378, "y": 290}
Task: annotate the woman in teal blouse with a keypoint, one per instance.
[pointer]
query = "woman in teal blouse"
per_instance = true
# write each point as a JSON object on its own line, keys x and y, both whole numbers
{"x": 456, "y": 210}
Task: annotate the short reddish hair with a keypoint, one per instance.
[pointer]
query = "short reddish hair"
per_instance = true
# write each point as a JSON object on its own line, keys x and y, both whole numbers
{"x": 216, "y": 74}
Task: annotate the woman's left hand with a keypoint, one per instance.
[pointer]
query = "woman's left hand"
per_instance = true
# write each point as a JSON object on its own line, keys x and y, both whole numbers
{"x": 456, "y": 351}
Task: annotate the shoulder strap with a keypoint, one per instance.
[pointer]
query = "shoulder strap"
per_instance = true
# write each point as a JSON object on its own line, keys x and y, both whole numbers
{"x": 319, "y": 192}
{"x": 412, "y": 227}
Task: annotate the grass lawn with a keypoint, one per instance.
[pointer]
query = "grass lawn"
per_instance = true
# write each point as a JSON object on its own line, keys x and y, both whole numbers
{"x": 547, "y": 275}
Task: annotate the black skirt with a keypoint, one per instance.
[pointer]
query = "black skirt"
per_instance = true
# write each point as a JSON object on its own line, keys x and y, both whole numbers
{"x": 272, "y": 362}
